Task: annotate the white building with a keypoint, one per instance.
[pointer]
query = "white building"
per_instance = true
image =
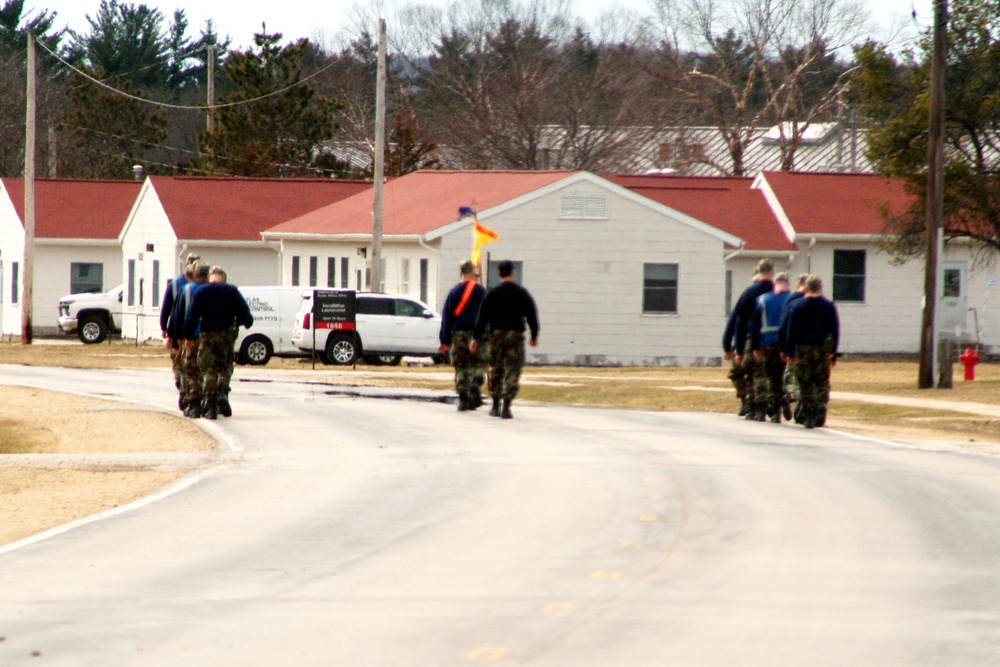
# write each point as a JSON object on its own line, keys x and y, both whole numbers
{"x": 618, "y": 278}
{"x": 76, "y": 244}
{"x": 220, "y": 219}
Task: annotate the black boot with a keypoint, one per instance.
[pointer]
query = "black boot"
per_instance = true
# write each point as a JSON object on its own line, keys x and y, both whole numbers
{"x": 505, "y": 413}
{"x": 495, "y": 410}
{"x": 222, "y": 404}
{"x": 193, "y": 410}
{"x": 463, "y": 402}
{"x": 786, "y": 408}
{"x": 774, "y": 414}
{"x": 209, "y": 409}
{"x": 475, "y": 397}
{"x": 744, "y": 408}
{"x": 180, "y": 402}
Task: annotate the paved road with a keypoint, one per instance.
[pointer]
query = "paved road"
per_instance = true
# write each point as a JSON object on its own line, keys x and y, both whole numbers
{"x": 368, "y": 532}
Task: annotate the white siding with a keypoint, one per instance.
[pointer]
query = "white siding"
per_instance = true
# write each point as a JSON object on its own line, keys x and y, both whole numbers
{"x": 393, "y": 253}
{"x": 147, "y": 226}
{"x": 11, "y": 251}
{"x": 587, "y": 279}
{"x": 52, "y": 276}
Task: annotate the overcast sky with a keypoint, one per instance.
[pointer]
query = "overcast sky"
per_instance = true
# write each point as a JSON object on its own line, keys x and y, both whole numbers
{"x": 308, "y": 18}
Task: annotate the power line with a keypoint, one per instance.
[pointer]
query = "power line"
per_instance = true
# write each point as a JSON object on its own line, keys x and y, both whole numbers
{"x": 200, "y": 107}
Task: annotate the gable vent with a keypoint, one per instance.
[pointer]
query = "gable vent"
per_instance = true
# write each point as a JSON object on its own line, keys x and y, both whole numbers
{"x": 586, "y": 206}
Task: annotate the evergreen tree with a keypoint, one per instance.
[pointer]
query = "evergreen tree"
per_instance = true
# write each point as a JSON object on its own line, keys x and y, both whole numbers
{"x": 272, "y": 122}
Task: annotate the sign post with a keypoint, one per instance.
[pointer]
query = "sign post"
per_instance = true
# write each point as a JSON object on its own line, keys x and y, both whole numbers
{"x": 333, "y": 310}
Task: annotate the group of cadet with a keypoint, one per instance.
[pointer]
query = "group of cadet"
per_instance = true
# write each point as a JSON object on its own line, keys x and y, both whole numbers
{"x": 200, "y": 318}
{"x": 782, "y": 345}
{"x": 486, "y": 329}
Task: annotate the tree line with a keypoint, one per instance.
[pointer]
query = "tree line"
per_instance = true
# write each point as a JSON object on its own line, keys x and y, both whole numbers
{"x": 503, "y": 84}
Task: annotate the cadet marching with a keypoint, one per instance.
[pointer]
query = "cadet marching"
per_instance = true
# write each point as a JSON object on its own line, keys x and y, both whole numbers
{"x": 782, "y": 346}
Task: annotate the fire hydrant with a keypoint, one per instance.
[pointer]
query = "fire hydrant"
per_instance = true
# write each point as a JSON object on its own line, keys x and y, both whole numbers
{"x": 969, "y": 359}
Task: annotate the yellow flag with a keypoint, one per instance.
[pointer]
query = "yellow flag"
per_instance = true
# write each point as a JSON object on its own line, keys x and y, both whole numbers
{"x": 481, "y": 235}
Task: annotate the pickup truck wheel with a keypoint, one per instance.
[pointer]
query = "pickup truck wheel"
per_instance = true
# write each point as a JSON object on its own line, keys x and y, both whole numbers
{"x": 256, "y": 350}
{"x": 389, "y": 359}
{"x": 342, "y": 350}
{"x": 92, "y": 329}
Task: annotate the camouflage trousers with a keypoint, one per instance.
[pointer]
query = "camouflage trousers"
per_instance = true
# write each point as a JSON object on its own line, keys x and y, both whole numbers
{"x": 231, "y": 335}
{"x": 214, "y": 355}
{"x": 813, "y": 374}
{"x": 470, "y": 369}
{"x": 772, "y": 369}
{"x": 791, "y": 383}
{"x": 744, "y": 376}
{"x": 177, "y": 364}
{"x": 190, "y": 373}
{"x": 506, "y": 361}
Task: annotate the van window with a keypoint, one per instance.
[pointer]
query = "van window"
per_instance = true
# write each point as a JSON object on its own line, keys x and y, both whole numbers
{"x": 374, "y": 306}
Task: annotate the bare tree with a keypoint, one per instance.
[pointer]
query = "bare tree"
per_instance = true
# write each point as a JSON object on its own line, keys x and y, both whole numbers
{"x": 747, "y": 64}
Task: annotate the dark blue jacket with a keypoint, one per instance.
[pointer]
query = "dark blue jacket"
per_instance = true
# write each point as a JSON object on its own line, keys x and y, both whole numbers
{"x": 507, "y": 307}
{"x": 174, "y": 287}
{"x": 811, "y": 321}
{"x": 766, "y": 319}
{"x": 738, "y": 327}
{"x": 216, "y": 307}
{"x": 464, "y": 321}
{"x": 783, "y": 324}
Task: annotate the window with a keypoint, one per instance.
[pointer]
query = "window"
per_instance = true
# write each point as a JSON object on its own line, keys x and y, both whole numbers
{"x": 664, "y": 154}
{"x": 15, "y": 274}
{"x": 131, "y": 282}
{"x": 659, "y": 288}
{"x": 586, "y": 206}
{"x": 345, "y": 272}
{"x": 952, "y": 283}
{"x": 406, "y": 308}
{"x": 694, "y": 153}
{"x": 374, "y": 307}
{"x": 849, "y": 275}
{"x": 331, "y": 271}
{"x": 493, "y": 273}
{"x": 86, "y": 277}
{"x": 313, "y": 270}
{"x": 424, "y": 272}
{"x": 404, "y": 276}
{"x": 156, "y": 282}
{"x": 295, "y": 271}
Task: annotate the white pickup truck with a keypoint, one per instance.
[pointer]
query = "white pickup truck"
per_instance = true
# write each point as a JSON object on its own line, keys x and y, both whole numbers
{"x": 92, "y": 316}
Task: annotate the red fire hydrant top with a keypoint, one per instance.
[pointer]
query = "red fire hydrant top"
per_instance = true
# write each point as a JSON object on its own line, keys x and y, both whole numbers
{"x": 969, "y": 359}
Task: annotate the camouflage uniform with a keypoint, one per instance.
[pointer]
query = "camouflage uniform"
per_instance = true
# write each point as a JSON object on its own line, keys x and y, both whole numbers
{"x": 813, "y": 375}
{"x": 506, "y": 361}
{"x": 470, "y": 369}
{"x": 190, "y": 374}
{"x": 773, "y": 372}
{"x": 754, "y": 380}
{"x": 214, "y": 352}
{"x": 231, "y": 335}
{"x": 738, "y": 376}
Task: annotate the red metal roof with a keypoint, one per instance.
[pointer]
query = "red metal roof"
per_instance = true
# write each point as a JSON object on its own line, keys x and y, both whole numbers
{"x": 239, "y": 209}
{"x": 422, "y": 201}
{"x": 71, "y": 209}
{"x": 724, "y": 203}
{"x": 837, "y": 203}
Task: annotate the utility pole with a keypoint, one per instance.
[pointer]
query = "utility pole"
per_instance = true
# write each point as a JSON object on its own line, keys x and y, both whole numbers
{"x": 29, "y": 197}
{"x": 210, "y": 124}
{"x": 935, "y": 193}
{"x": 379, "y": 166}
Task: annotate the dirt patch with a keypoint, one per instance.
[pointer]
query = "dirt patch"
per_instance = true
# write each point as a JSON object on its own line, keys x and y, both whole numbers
{"x": 35, "y": 498}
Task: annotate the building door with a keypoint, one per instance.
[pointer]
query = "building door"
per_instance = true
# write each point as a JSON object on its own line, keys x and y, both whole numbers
{"x": 953, "y": 306}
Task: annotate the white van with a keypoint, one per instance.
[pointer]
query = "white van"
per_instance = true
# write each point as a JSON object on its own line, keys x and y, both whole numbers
{"x": 273, "y": 310}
